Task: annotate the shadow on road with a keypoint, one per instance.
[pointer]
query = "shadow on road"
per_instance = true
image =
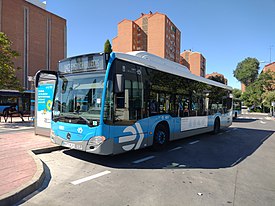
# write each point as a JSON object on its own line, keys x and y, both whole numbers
{"x": 246, "y": 120}
{"x": 202, "y": 151}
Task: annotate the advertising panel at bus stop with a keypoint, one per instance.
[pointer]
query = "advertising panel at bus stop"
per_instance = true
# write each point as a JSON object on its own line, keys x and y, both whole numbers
{"x": 44, "y": 104}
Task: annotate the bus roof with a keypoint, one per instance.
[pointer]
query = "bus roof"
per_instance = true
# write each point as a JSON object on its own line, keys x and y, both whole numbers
{"x": 158, "y": 63}
{"x": 78, "y": 56}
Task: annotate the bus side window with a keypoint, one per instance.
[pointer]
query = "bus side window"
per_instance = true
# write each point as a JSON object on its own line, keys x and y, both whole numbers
{"x": 120, "y": 100}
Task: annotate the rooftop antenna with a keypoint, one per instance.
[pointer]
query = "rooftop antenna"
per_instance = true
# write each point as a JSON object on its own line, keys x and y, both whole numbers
{"x": 270, "y": 49}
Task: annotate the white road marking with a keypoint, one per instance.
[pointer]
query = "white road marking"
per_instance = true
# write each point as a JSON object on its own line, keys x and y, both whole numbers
{"x": 143, "y": 159}
{"x": 176, "y": 148}
{"x": 85, "y": 179}
{"x": 194, "y": 142}
{"x": 263, "y": 122}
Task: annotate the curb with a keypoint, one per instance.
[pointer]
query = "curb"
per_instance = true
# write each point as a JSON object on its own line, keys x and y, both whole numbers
{"x": 27, "y": 188}
{"x": 34, "y": 184}
{"x": 47, "y": 150}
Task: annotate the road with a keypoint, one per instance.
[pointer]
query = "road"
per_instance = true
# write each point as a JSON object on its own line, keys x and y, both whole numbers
{"x": 234, "y": 167}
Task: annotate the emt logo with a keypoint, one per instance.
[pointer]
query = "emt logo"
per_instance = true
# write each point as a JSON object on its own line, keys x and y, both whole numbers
{"x": 132, "y": 137}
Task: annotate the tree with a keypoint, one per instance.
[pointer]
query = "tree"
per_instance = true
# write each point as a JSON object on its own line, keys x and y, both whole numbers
{"x": 247, "y": 71}
{"x": 261, "y": 92}
{"x": 237, "y": 93}
{"x": 267, "y": 80}
{"x": 8, "y": 79}
{"x": 268, "y": 98}
{"x": 107, "y": 47}
{"x": 252, "y": 95}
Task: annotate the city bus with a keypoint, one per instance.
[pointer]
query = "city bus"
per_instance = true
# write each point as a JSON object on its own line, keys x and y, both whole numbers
{"x": 113, "y": 103}
{"x": 20, "y": 101}
{"x": 237, "y": 105}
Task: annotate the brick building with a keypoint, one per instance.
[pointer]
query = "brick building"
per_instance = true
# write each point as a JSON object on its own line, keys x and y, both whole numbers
{"x": 217, "y": 75}
{"x": 194, "y": 61}
{"x": 154, "y": 33}
{"x": 270, "y": 67}
{"x": 39, "y": 36}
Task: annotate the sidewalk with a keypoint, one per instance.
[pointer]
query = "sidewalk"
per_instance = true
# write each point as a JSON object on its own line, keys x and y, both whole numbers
{"x": 16, "y": 125}
{"x": 21, "y": 172}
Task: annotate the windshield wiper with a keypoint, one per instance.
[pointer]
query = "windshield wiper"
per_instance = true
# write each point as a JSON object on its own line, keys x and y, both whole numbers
{"x": 75, "y": 116}
{"x": 57, "y": 118}
{"x": 86, "y": 120}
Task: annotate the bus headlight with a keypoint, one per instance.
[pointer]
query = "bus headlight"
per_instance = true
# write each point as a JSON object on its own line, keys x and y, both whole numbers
{"x": 96, "y": 141}
{"x": 52, "y": 136}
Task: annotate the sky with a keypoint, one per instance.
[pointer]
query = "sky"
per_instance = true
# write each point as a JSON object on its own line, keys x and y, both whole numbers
{"x": 224, "y": 31}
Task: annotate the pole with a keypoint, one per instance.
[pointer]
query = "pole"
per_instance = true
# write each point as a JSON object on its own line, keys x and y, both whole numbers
{"x": 270, "y": 49}
{"x": 272, "y": 111}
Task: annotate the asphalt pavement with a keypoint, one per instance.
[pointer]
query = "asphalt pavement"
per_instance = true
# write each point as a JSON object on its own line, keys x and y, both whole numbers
{"x": 234, "y": 167}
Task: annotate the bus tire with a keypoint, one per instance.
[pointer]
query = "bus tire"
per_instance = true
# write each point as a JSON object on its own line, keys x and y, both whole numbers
{"x": 217, "y": 126}
{"x": 161, "y": 137}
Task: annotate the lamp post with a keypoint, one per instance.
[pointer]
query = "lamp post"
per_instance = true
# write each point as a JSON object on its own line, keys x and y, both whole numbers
{"x": 31, "y": 80}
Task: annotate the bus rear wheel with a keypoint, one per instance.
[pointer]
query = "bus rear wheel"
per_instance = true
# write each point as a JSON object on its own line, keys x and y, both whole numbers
{"x": 161, "y": 137}
{"x": 217, "y": 126}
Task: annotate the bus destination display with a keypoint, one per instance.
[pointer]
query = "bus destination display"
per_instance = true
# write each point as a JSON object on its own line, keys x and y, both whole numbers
{"x": 80, "y": 64}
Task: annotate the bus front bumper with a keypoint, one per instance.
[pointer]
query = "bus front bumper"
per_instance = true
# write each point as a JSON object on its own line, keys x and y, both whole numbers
{"x": 106, "y": 148}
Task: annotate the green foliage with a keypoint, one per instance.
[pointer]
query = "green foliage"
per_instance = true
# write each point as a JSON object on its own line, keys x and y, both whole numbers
{"x": 217, "y": 78}
{"x": 267, "y": 80}
{"x": 262, "y": 91}
{"x": 8, "y": 79}
{"x": 247, "y": 71}
{"x": 237, "y": 93}
{"x": 107, "y": 47}
{"x": 268, "y": 98}
{"x": 252, "y": 95}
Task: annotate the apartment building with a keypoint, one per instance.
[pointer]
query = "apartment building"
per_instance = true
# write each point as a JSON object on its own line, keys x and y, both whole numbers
{"x": 269, "y": 67}
{"x": 217, "y": 75}
{"x": 154, "y": 33}
{"x": 194, "y": 61}
{"x": 39, "y": 36}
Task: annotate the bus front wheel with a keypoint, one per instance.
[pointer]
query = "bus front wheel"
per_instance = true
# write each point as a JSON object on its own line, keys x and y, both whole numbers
{"x": 161, "y": 137}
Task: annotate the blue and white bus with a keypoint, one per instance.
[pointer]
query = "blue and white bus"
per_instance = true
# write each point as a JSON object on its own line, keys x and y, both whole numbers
{"x": 237, "y": 105}
{"x": 21, "y": 101}
{"x": 109, "y": 104}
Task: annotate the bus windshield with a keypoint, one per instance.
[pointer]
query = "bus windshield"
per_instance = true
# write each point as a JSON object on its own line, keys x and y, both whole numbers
{"x": 78, "y": 98}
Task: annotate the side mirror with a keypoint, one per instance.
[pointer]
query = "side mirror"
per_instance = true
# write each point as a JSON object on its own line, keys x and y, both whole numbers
{"x": 119, "y": 83}
{"x": 47, "y": 74}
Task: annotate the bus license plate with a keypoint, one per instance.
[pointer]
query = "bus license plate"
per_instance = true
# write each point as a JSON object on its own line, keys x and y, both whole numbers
{"x": 72, "y": 145}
